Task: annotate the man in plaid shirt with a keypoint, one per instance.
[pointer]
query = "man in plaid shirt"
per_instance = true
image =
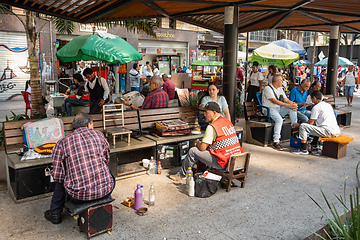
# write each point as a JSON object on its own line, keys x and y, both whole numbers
{"x": 157, "y": 98}
{"x": 80, "y": 167}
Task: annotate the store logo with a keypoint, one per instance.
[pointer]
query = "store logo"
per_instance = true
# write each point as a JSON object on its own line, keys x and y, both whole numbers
{"x": 165, "y": 35}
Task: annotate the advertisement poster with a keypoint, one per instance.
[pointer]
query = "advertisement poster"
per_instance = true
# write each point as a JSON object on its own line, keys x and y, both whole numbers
{"x": 192, "y": 56}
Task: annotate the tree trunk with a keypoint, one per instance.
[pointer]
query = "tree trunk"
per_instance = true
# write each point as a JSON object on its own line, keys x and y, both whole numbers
{"x": 37, "y": 105}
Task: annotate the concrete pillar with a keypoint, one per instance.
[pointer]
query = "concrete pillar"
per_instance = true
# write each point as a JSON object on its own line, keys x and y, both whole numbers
{"x": 333, "y": 60}
{"x": 231, "y": 46}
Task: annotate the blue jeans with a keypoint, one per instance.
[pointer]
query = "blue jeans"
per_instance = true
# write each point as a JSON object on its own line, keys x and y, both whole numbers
{"x": 303, "y": 116}
{"x": 71, "y": 102}
{"x": 136, "y": 89}
{"x": 277, "y": 115}
{"x": 349, "y": 91}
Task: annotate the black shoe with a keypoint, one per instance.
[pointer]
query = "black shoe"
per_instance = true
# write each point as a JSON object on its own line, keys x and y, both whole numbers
{"x": 55, "y": 219}
{"x": 277, "y": 146}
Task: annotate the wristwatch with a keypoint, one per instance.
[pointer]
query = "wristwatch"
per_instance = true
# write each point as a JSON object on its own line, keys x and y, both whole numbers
{"x": 130, "y": 105}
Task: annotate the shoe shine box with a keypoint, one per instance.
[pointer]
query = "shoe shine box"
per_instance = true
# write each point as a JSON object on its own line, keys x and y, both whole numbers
{"x": 295, "y": 142}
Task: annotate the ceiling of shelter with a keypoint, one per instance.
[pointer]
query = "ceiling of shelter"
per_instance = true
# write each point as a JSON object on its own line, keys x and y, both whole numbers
{"x": 307, "y": 15}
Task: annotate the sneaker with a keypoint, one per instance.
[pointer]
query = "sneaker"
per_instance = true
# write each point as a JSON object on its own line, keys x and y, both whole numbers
{"x": 350, "y": 104}
{"x": 277, "y": 146}
{"x": 300, "y": 151}
{"x": 316, "y": 153}
{"x": 55, "y": 219}
{"x": 177, "y": 177}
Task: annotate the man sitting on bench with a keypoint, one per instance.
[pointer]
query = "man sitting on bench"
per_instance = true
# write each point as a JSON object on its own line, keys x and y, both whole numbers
{"x": 80, "y": 167}
{"x": 218, "y": 144}
{"x": 157, "y": 98}
{"x": 274, "y": 97}
{"x": 324, "y": 118}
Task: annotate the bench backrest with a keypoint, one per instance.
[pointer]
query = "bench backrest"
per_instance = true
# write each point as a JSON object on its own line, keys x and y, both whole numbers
{"x": 14, "y": 138}
{"x": 251, "y": 110}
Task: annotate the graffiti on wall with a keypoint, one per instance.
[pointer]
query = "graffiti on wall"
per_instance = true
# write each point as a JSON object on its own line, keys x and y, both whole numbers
{"x": 7, "y": 74}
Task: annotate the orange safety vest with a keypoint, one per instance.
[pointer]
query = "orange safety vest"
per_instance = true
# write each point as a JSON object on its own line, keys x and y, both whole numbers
{"x": 226, "y": 143}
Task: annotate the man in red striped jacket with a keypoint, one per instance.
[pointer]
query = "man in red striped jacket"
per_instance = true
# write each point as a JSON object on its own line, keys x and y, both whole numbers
{"x": 216, "y": 147}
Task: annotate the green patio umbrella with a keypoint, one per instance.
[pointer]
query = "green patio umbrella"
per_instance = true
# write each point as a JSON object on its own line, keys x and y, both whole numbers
{"x": 274, "y": 54}
{"x": 112, "y": 49}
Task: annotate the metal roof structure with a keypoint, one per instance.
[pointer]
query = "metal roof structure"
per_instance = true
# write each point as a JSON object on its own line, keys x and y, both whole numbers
{"x": 307, "y": 15}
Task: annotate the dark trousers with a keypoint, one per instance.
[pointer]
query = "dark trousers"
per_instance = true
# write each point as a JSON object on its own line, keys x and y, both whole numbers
{"x": 252, "y": 90}
{"x": 59, "y": 197}
{"x": 94, "y": 106}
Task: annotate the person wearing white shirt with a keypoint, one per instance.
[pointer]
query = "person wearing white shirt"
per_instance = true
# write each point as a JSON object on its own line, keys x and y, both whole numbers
{"x": 156, "y": 70}
{"x": 255, "y": 83}
{"x": 272, "y": 72}
{"x": 82, "y": 68}
{"x": 274, "y": 97}
{"x": 98, "y": 89}
{"x": 349, "y": 82}
{"x": 322, "y": 123}
{"x": 147, "y": 71}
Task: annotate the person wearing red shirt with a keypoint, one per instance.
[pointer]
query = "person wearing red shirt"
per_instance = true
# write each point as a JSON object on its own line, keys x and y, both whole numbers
{"x": 168, "y": 86}
{"x": 157, "y": 98}
{"x": 79, "y": 99}
{"x": 80, "y": 167}
{"x": 218, "y": 144}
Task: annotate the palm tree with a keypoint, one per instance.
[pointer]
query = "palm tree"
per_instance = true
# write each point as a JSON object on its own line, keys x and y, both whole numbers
{"x": 63, "y": 26}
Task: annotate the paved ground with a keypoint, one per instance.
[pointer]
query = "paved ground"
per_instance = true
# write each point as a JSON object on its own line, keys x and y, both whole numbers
{"x": 273, "y": 205}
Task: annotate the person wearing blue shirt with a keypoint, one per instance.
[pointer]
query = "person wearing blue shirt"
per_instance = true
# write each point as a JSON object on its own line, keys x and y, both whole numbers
{"x": 299, "y": 96}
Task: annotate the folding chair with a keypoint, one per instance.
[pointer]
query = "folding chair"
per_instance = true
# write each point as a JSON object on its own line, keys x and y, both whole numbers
{"x": 114, "y": 113}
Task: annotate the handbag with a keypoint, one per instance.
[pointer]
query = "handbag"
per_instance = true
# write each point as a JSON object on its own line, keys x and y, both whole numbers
{"x": 205, "y": 187}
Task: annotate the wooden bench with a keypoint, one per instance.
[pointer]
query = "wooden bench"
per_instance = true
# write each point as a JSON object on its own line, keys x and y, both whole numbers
{"x": 27, "y": 180}
{"x": 258, "y": 130}
{"x": 343, "y": 117}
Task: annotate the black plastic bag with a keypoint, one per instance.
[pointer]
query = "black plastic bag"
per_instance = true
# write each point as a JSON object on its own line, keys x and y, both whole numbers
{"x": 205, "y": 187}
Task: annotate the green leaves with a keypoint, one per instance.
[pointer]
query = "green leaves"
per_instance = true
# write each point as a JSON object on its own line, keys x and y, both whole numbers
{"x": 63, "y": 26}
{"x": 345, "y": 227}
{"x": 15, "y": 117}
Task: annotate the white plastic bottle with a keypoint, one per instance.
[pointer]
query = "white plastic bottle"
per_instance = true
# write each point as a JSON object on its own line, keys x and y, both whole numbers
{"x": 189, "y": 174}
{"x": 152, "y": 166}
{"x": 192, "y": 187}
{"x": 152, "y": 195}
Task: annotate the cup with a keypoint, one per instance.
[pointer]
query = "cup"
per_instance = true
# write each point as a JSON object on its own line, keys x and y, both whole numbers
{"x": 146, "y": 162}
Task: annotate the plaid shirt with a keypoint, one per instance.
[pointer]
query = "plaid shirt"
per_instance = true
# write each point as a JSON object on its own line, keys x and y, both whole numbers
{"x": 80, "y": 162}
{"x": 158, "y": 98}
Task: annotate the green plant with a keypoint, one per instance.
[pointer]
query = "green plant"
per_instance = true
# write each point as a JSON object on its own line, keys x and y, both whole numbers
{"x": 347, "y": 227}
{"x": 15, "y": 117}
{"x": 239, "y": 107}
{"x": 357, "y": 174}
{"x": 191, "y": 100}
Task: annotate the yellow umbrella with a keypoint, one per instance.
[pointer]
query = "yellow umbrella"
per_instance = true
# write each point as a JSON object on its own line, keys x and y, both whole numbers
{"x": 274, "y": 54}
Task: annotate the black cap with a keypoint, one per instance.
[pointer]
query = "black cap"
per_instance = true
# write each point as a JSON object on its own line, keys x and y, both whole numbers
{"x": 212, "y": 106}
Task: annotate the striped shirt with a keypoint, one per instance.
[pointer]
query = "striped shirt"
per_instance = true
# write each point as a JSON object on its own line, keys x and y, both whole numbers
{"x": 80, "y": 162}
{"x": 158, "y": 98}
